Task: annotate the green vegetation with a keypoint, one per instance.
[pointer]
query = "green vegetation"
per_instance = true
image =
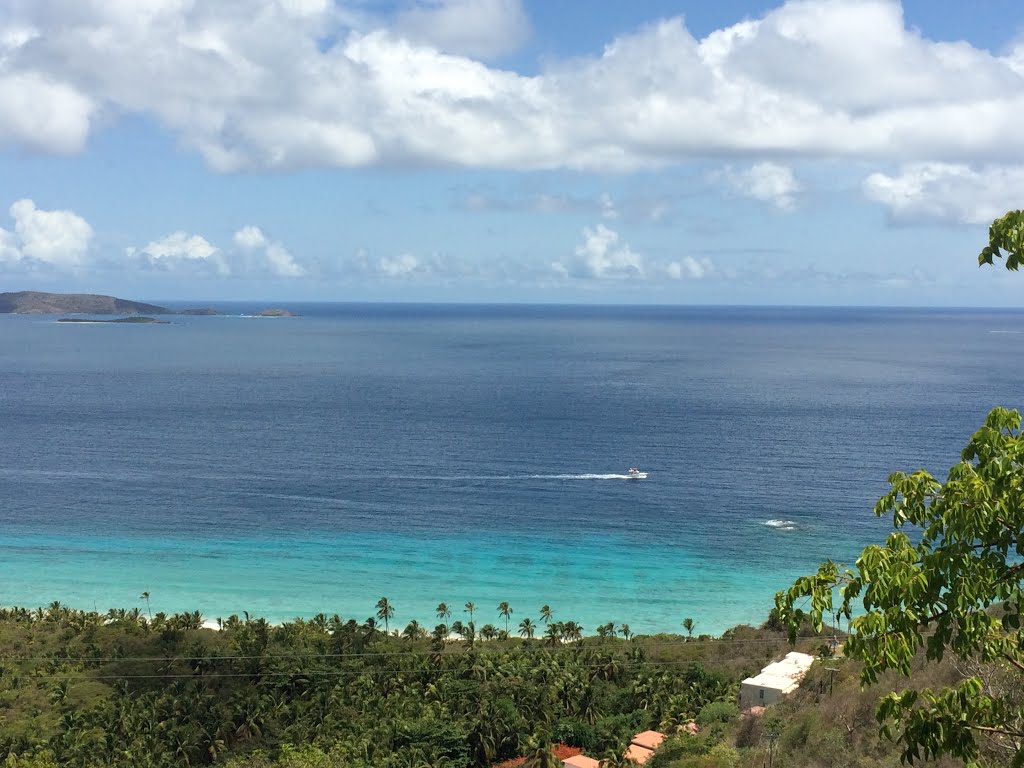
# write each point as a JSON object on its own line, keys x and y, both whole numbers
{"x": 121, "y": 689}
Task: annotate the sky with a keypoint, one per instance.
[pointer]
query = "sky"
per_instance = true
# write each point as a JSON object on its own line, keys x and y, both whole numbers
{"x": 809, "y": 152}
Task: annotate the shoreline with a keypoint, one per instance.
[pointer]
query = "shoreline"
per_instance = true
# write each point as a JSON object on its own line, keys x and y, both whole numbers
{"x": 220, "y": 623}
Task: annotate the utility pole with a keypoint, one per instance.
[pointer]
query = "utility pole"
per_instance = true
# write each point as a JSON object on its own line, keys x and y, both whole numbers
{"x": 831, "y": 677}
{"x": 773, "y": 736}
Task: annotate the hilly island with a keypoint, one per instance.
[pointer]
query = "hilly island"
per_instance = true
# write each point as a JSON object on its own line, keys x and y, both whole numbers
{"x": 39, "y": 303}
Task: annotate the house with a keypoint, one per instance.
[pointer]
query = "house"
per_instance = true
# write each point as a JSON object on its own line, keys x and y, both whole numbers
{"x": 775, "y": 681}
{"x": 643, "y": 746}
{"x": 581, "y": 761}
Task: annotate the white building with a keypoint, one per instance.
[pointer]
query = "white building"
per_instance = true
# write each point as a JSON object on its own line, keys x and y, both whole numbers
{"x": 775, "y": 681}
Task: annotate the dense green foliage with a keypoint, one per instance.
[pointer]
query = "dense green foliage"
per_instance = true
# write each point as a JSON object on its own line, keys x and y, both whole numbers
{"x": 1005, "y": 240}
{"x": 119, "y": 689}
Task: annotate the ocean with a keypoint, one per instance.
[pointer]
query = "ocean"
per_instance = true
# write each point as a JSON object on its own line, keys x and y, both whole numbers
{"x": 291, "y": 466}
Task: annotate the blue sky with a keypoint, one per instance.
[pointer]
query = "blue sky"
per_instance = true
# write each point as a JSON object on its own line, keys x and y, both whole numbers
{"x": 738, "y": 152}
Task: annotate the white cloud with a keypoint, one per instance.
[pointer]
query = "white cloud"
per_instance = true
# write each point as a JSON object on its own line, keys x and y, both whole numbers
{"x": 254, "y": 86}
{"x": 181, "y": 249}
{"x": 250, "y": 237}
{"x": 180, "y": 245}
{"x": 41, "y": 114}
{"x": 281, "y": 262}
{"x": 58, "y": 238}
{"x": 948, "y": 192}
{"x": 10, "y": 253}
{"x": 602, "y": 256}
{"x": 478, "y": 28}
{"x": 400, "y": 266}
{"x": 768, "y": 182}
{"x": 689, "y": 268}
{"x": 276, "y": 257}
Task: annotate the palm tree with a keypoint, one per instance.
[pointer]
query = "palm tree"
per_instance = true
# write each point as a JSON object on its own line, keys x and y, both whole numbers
{"x": 625, "y": 631}
{"x": 444, "y": 612}
{"x": 553, "y": 634}
{"x": 145, "y": 596}
{"x": 470, "y": 607}
{"x": 573, "y": 631}
{"x": 384, "y": 612}
{"x": 413, "y": 630}
{"x": 545, "y": 614}
{"x": 505, "y": 610}
{"x": 688, "y": 625}
{"x": 527, "y": 628}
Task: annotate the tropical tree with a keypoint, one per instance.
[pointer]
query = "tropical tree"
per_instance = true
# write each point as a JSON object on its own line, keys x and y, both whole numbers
{"x": 443, "y": 612}
{"x": 955, "y": 586}
{"x": 688, "y": 625}
{"x": 545, "y": 614}
{"x": 553, "y": 634}
{"x": 505, "y": 611}
{"x": 469, "y": 608}
{"x": 527, "y": 628}
{"x": 385, "y": 611}
{"x": 413, "y": 630}
{"x": 1005, "y": 234}
{"x": 145, "y": 596}
{"x": 625, "y": 631}
{"x": 541, "y": 753}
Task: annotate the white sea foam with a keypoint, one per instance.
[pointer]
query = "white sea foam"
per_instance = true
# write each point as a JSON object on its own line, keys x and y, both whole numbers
{"x": 782, "y": 525}
{"x": 588, "y": 476}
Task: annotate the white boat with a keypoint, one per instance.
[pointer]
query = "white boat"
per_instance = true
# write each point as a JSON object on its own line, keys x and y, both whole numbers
{"x": 635, "y": 474}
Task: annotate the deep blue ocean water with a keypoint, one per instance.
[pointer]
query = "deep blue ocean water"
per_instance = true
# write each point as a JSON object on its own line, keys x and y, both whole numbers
{"x": 464, "y": 453}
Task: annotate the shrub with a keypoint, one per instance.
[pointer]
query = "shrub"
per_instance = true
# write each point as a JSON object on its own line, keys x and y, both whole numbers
{"x": 717, "y": 712}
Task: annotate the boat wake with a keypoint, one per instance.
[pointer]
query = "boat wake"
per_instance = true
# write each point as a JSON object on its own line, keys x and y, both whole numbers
{"x": 781, "y": 525}
{"x": 615, "y": 476}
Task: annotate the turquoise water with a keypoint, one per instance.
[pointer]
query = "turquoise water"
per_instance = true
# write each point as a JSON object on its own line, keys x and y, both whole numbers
{"x": 428, "y": 454}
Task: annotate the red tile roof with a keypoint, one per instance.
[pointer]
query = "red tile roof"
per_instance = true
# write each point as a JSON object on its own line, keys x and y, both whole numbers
{"x": 648, "y": 739}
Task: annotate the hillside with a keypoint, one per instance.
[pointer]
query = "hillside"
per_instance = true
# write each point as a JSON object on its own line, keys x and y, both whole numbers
{"x": 87, "y": 689}
{"x": 39, "y": 303}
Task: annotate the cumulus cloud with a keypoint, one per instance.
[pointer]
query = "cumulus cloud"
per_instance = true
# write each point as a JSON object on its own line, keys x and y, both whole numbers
{"x": 41, "y": 114}
{"x": 947, "y": 192}
{"x": 56, "y": 238}
{"x": 477, "y": 28}
{"x": 283, "y": 84}
{"x": 276, "y": 257}
{"x": 10, "y": 253}
{"x": 768, "y": 182}
{"x": 400, "y": 266}
{"x": 601, "y": 255}
{"x": 181, "y": 249}
{"x": 690, "y": 268}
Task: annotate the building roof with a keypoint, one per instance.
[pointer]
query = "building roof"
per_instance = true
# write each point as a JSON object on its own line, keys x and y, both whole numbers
{"x": 639, "y": 754}
{"x": 648, "y": 739}
{"x": 785, "y": 675}
{"x": 581, "y": 761}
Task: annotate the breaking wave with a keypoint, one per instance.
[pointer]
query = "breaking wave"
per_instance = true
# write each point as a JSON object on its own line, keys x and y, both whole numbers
{"x": 782, "y": 525}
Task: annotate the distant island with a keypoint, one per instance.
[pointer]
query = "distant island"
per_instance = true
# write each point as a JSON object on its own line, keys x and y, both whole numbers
{"x": 39, "y": 303}
{"x": 276, "y": 313}
{"x": 136, "y": 320}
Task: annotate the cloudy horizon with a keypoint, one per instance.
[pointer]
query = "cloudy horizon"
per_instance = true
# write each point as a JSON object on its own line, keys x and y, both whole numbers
{"x": 803, "y": 152}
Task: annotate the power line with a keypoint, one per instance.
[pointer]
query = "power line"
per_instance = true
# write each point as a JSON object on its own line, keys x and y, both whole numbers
{"x": 386, "y": 671}
{"x": 536, "y": 648}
